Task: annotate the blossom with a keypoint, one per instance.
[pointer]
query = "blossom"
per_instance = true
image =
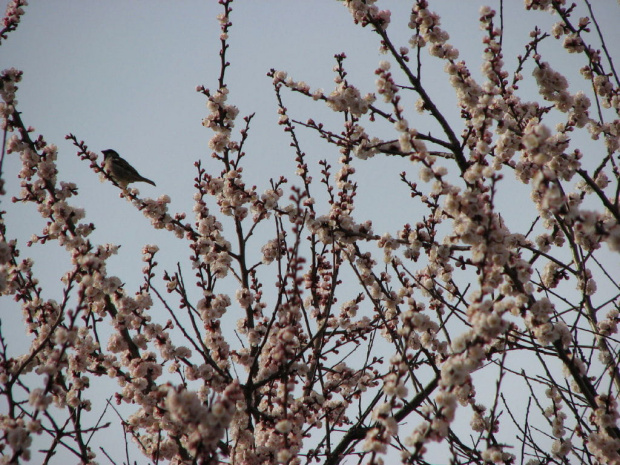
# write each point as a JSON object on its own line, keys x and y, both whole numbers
{"x": 348, "y": 98}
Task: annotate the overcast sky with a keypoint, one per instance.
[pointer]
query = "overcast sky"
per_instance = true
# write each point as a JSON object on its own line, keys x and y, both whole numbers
{"x": 123, "y": 75}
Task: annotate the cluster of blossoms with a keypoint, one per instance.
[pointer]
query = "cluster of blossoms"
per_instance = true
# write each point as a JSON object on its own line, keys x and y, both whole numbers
{"x": 8, "y": 87}
{"x": 546, "y": 150}
{"x": 210, "y": 243}
{"x": 348, "y": 98}
{"x": 231, "y": 194}
{"x": 365, "y": 146}
{"x": 207, "y": 420}
{"x": 553, "y": 86}
{"x": 272, "y": 250}
{"x": 539, "y": 321}
{"x": 282, "y": 77}
{"x": 339, "y": 227}
{"x": 366, "y": 12}
{"x": 18, "y": 436}
{"x": 539, "y": 4}
{"x": 157, "y": 211}
{"x": 428, "y": 31}
{"x": 221, "y": 120}
{"x": 562, "y": 445}
{"x": 419, "y": 330}
{"x": 12, "y": 15}
{"x": 604, "y": 446}
{"x": 386, "y": 87}
{"x": 469, "y": 93}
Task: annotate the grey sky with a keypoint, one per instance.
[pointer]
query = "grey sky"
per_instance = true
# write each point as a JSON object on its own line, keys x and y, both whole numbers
{"x": 123, "y": 75}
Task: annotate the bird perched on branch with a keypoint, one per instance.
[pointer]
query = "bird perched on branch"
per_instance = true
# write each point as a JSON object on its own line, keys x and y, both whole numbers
{"x": 121, "y": 171}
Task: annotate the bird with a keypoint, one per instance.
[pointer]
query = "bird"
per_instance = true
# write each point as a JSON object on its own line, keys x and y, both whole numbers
{"x": 120, "y": 170}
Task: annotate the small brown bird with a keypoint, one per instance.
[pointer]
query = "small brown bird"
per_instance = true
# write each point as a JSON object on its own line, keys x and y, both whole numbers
{"x": 121, "y": 171}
